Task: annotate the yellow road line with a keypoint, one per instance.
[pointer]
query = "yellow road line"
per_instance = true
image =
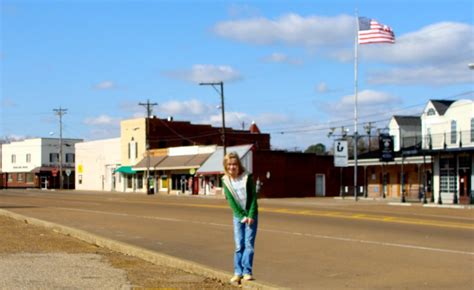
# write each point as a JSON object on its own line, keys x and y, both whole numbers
{"x": 345, "y": 215}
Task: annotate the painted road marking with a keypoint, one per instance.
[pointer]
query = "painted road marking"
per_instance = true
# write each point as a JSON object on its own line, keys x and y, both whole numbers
{"x": 336, "y": 238}
{"x": 346, "y": 215}
{"x": 334, "y": 214}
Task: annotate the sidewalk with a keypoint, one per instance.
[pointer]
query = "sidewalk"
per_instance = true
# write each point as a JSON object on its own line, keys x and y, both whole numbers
{"x": 33, "y": 257}
{"x": 396, "y": 202}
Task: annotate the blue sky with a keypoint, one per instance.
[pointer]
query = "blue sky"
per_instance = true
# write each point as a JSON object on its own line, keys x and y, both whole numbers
{"x": 287, "y": 65}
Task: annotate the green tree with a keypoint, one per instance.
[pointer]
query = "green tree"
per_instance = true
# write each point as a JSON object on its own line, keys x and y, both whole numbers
{"x": 318, "y": 149}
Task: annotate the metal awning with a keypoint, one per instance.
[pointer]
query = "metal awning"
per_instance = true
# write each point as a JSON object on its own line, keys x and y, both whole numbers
{"x": 214, "y": 165}
{"x": 45, "y": 169}
{"x": 143, "y": 164}
{"x": 172, "y": 162}
{"x": 182, "y": 162}
{"x": 125, "y": 170}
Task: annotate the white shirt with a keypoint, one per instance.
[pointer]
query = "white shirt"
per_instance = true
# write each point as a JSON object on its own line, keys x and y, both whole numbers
{"x": 240, "y": 187}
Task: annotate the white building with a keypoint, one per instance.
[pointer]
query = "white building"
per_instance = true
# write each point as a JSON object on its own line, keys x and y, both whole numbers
{"x": 35, "y": 162}
{"x": 448, "y": 132}
{"x": 96, "y": 162}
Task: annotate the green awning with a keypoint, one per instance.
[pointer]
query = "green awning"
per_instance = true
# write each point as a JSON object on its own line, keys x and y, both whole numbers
{"x": 125, "y": 170}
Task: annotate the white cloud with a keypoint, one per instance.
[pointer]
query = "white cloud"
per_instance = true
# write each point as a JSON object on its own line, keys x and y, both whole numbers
{"x": 290, "y": 29}
{"x": 444, "y": 42}
{"x": 102, "y": 126}
{"x": 235, "y": 119}
{"x": 265, "y": 119}
{"x": 322, "y": 87}
{"x": 443, "y": 74}
{"x": 369, "y": 102}
{"x": 369, "y": 97}
{"x": 105, "y": 85}
{"x": 437, "y": 54}
{"x": 282, "y": 58}
{"x": 191, "y": 107}
{"x": 206, "y": 73}
{"x": 102, "y": 120}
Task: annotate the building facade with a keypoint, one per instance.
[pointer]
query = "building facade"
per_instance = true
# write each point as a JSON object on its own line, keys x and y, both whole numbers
{"x": 433, "y": 156}
{"x": 34, "y": 163}
{"x": 96, "y": 165}
{"x": 159, "y": 134}
{"x": 448, "y": 136}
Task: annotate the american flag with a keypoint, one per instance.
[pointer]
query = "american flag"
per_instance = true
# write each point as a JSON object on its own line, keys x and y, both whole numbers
{"x": 370, "y": 31}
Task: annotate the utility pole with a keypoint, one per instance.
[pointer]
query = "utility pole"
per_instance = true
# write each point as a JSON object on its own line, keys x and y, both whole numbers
{"x": 149, "y": 110}
{"x": 60, "y": 112}
{"x": 221, "y": 84}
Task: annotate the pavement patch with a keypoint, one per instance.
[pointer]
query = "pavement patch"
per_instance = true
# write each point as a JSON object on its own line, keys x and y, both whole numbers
{"x": 33, "y": 271}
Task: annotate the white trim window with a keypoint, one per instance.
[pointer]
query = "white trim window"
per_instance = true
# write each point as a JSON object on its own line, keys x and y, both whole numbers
{"x": 453, "y": 132}
{"x": 70, "y": 157}
{"x": 53, "y": 157}
{"x": 28, "y": 158}
{"x": 13, "y": 158}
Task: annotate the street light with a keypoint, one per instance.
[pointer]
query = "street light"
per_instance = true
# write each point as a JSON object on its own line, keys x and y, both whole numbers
{"x": 221, "y": 84}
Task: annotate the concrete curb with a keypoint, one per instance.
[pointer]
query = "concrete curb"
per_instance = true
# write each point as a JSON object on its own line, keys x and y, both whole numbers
{"x": 400, "y": 203}
{"x": 147, "y": 255}
{"x": 448, "y": 206}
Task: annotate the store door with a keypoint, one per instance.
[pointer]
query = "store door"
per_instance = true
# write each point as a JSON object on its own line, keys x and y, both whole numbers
{"x": 44, "y": 182}
{"x": 320, "y": 185}
{"x": 464, "y": 186}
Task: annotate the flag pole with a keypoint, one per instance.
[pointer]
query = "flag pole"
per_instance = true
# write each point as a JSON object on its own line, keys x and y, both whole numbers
{"x": 356, "y": 65}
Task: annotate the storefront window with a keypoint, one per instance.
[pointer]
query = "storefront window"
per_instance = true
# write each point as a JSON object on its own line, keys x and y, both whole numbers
{"x": 139, "y": 181}
{"x": 447, "y": 175}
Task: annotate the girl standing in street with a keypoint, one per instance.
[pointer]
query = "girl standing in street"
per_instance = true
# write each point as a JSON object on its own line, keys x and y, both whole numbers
{"x": 239, "y": 190}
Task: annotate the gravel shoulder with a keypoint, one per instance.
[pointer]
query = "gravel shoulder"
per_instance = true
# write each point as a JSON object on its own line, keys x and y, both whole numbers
{"x": 21, "y": 244}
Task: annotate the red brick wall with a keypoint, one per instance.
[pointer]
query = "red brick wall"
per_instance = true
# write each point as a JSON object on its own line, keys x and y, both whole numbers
{"x": 294, "y": 174}
{"x": 164, "y": 133}
{"x": 16, "y": 182}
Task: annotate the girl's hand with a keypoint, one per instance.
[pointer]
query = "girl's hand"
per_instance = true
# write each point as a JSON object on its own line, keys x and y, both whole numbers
{"x": 250, "y": 221}
{"x": 244, "y": 220}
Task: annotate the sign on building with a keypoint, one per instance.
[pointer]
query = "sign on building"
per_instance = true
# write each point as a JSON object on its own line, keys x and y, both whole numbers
{"x": 340, "y": 153}
{"x": 386, "y": 148}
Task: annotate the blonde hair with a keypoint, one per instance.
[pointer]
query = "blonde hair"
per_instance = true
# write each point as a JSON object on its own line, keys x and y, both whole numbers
{"x": 233, "y": 155}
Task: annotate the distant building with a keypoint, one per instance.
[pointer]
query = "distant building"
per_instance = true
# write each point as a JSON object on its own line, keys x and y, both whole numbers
{"x": 96, "y": 165}
{"x": 162, "y": 134}
{"x": 34, "y": 163}
{"x": 433, "y": 157}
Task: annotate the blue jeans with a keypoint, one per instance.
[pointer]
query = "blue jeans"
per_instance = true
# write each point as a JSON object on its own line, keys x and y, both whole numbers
{"x": 244, "y": 237}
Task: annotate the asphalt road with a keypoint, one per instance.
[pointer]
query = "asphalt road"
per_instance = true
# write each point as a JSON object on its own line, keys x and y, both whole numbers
{"x": 301, "y": 244}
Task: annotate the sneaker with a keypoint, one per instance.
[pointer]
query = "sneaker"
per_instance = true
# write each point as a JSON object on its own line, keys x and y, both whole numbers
{"x": 235, "y": 279}
{"x": 248, "y": 277}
